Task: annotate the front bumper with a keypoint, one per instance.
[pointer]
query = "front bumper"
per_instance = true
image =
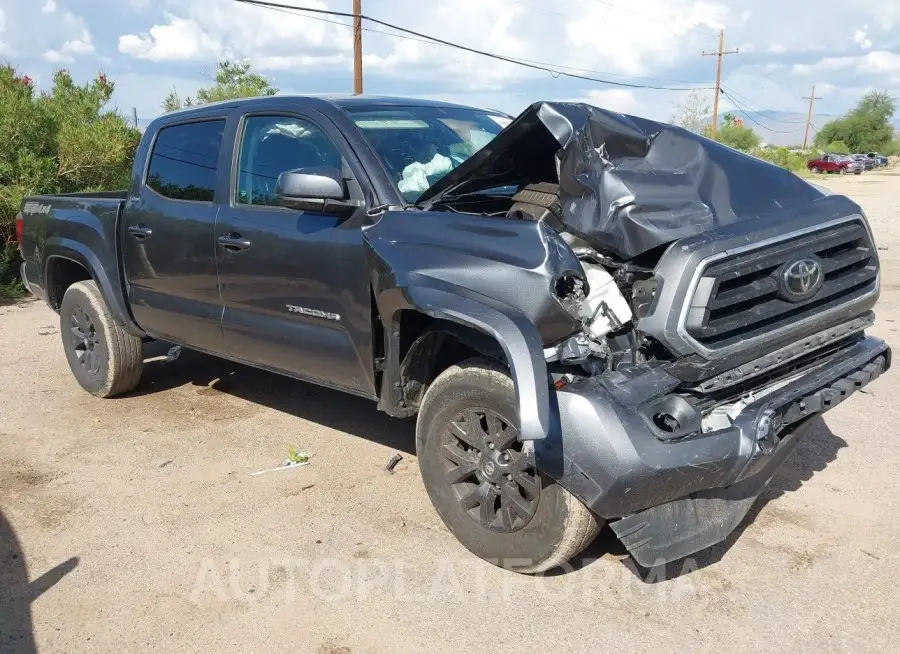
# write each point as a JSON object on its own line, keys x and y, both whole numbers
{"x": 676, "y": 497}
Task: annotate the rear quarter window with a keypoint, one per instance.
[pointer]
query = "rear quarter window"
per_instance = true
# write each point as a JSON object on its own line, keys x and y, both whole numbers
{"x": 184, "y": 160}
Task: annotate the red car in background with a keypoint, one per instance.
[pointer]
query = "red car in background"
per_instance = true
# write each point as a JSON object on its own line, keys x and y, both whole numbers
{"x": 835, "y": 163}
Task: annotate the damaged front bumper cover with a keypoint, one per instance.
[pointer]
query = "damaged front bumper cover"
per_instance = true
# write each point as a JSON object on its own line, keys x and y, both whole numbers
{"x": 676, "y": 497}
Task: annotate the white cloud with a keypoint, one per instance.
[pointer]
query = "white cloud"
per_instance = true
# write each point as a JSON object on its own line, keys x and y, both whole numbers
{"x": 621, "y": 100}
{"x": 61, "y": 36}
{"x": 861, "y": 39}
{"x": 57, "y": 57}
{"x": 66, "y": 53}
{"x": 179, "y": 40}
{"x": 207, "y": 30}
{"x": 875, "y": 63}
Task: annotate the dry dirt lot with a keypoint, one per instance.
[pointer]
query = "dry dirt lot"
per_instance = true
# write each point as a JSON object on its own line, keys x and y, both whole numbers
{"x": 133, "y": 524}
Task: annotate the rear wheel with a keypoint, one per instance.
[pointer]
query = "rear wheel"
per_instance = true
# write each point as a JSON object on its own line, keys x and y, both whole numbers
{"x": 815, "y": 170}
{"x": 105, "y": 359}
{"x": 484, "y": 483}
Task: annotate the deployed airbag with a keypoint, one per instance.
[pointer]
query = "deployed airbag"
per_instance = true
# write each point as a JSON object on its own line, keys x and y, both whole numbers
{"x": 627, "y": 184}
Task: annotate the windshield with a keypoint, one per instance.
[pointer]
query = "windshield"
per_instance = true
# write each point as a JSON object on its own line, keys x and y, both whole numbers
{"x": 419, "y": 145}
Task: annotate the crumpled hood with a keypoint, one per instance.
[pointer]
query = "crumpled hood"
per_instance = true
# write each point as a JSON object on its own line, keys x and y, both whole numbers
{"x": 628, "y": 184}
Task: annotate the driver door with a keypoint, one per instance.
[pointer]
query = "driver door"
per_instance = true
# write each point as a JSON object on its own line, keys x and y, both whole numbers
{"x": 294, "y": 282}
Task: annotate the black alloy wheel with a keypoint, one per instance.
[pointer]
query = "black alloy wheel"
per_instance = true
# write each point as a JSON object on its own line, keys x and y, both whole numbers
{"x": 492, "y": 476}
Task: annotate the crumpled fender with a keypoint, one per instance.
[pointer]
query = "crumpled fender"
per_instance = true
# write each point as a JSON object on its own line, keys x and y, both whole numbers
{"x": 492, "y": 275}
{"x": 521, "y": 345}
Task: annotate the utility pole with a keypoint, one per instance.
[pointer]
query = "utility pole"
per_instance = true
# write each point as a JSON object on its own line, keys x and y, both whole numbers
{"x": 134, "y": 115}
{"x": 812, "y": 99}
{"x": 719, "y": 54}
{"x": 357, "y": 48}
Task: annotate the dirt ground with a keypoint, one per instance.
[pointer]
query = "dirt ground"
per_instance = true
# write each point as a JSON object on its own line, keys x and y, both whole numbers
{"x": 134, "y": 524}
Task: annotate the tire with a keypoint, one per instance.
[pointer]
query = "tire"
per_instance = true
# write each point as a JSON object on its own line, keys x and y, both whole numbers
{"x": 507, "y": 513}
{"x": 815, "y": 170}
{"x": 105, "y": 359}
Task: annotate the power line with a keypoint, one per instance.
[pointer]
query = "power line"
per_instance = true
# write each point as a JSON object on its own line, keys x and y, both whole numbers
{"x": 751, "y": 104}
{"x": 545, "y": 68}
{"x": 752, "y": 119}
{"x": 527, "y": 61}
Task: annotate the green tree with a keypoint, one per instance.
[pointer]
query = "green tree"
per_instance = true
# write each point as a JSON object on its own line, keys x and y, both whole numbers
{"x": 866, "y": 128}
{"x": 234, "y": 79}
{"x": 58, "y": 141}
{"x": 692, "y": 112}
{"x": 735, "y": 134}
{"x": 837, "y": 147}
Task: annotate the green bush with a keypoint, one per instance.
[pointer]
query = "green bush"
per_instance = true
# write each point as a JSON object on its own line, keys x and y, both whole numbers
{"x": 794, "y": 161}
{"x": 10, "y": 284}
{"x": 56, "y": 141}
{"x": 738, "y": 137}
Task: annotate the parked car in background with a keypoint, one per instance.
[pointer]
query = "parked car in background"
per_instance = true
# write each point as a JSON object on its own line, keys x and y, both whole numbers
{"x": 880, "y": 159}
{"x": 867, "y": 162}
{"x": 835, "y": 163}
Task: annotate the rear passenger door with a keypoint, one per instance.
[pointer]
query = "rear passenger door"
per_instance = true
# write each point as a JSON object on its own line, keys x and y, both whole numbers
{"x": 168, "y": 241}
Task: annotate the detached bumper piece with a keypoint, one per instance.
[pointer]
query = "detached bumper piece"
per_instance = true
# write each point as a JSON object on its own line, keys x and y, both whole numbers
{"x": 676, "y": 529}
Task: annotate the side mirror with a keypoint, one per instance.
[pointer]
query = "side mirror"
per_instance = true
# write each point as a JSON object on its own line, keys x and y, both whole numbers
{"x": 311, "y": 189}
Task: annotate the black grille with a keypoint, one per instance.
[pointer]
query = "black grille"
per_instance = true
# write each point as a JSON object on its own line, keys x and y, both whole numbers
{"x": 738, "y": 297}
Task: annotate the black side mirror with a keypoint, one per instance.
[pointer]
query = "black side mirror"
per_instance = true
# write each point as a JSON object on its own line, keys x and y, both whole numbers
{"x": 319, "y": 188}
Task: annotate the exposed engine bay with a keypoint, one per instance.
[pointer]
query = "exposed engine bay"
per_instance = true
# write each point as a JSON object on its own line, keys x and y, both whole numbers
{"x": 618, "y": 191}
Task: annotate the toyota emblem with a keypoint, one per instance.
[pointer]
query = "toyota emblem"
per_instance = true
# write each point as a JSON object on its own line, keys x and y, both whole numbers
{"x": 801, "y": 279}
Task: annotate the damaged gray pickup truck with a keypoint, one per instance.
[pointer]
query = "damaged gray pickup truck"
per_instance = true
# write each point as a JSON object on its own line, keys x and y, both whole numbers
{"x": 597, "y": 318}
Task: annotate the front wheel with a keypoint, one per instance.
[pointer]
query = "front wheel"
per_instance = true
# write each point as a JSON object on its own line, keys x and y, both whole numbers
{"x": 105, "y": 359}
{"x": 815, "y": 170}
{"x": 484, "y": 483}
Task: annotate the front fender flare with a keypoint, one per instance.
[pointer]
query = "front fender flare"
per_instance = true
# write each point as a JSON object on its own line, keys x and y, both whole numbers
{"x": 517, "y": 336}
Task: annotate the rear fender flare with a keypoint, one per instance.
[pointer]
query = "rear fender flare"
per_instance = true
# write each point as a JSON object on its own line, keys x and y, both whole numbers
{"x": 110, "y": 289}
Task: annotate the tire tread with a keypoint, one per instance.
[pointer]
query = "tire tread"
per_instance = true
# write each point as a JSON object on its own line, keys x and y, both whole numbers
{"x": 581, "y": 525}
{"x": 126, "y": 362}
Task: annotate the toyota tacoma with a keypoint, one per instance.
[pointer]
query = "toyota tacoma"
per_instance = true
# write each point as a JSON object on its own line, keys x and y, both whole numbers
{"x": 596, "y": 318}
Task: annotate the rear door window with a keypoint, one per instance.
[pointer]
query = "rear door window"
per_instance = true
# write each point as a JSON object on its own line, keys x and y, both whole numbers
{"x": 184, "y": 161}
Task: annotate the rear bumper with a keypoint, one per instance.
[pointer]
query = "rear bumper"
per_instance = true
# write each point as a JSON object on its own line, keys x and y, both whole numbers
{"x": 29, "y": 274}
{"x": 679, "y": 496}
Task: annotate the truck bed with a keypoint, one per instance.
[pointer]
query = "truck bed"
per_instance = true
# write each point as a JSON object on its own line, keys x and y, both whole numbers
{"x": 81, "y": 227}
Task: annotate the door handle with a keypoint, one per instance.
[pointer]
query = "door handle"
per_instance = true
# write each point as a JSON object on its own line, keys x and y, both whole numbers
{"x": 140, "y": 232}
{"x": 233, "y": 242}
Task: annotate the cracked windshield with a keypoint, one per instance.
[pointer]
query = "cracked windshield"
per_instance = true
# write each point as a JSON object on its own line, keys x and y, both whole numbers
{"x": 419, "y": 145}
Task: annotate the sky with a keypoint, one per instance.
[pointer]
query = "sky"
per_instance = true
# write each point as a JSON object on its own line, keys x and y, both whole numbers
{"x": 147, "y": 47}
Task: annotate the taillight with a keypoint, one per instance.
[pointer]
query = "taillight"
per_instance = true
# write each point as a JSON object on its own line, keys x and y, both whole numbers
{"x": 20, "y": 228}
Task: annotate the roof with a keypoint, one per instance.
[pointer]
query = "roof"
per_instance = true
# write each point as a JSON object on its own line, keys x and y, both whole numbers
{"x": 342, "y": 101}
{"x": 388, "y": 101}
